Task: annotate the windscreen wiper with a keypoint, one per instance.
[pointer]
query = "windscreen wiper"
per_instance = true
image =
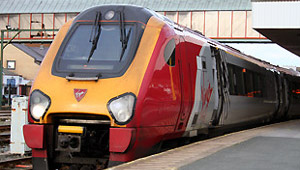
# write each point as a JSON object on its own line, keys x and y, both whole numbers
{"x": 123, "y": 37}
{"x": 122, "y": 29}
{"x": 125, "y": 44}
{"x": 96, "y": 28}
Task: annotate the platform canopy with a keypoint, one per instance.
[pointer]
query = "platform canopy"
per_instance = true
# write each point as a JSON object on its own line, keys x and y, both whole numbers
{"x": 278, "y": 20}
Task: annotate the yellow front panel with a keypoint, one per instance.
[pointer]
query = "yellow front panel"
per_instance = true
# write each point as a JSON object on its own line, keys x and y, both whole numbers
{"x": 61, "y": 91}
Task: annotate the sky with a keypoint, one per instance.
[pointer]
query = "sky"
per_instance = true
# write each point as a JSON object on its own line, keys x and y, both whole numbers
{"x": 269, "y": 52}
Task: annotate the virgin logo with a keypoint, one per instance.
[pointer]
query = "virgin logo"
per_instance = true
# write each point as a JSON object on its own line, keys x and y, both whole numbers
{"x": 79, "y": 93}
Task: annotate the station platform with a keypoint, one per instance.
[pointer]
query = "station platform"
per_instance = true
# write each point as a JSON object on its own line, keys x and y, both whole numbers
{"x": 271, "y": 147}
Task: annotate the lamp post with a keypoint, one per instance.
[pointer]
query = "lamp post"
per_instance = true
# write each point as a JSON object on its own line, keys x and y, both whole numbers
{"x": 8, "y": 42}
{"x": 1, "y": 67}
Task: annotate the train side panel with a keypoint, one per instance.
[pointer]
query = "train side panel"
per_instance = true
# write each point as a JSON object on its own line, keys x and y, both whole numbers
{"x": 251, "y": 92}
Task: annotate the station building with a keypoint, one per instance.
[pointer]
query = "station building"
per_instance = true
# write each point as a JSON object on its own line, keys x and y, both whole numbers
{"x": 226, "y": 21}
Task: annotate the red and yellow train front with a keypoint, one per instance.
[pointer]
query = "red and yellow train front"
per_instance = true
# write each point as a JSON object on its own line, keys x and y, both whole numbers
{"x": 103, "y": 89}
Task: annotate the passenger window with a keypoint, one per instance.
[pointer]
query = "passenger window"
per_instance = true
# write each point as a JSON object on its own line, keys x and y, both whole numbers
{"x": 296, "y": 90}
{"x": 249, "y": 83}
{"x": 244, "y": 82}
{"x": 232, "y": 80}
{"x": 236, "y": 80}
{"x": 169, "y": 53}
{"x": 257, "y": 85}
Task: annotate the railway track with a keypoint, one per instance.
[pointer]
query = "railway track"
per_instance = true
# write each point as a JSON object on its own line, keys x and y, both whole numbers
{"x": 5, "y": 117}
{"x": 16, "y": 163}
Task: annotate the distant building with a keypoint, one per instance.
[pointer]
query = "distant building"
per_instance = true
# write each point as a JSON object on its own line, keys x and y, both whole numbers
{"x": 20, "y": 70}
{"x": 15, "y": 84}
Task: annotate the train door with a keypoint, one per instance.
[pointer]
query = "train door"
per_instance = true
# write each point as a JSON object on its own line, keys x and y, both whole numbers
{"x": 279, "y": 89}
{"x": 185, "y": 81}
{"x": 206, "y": 92}
{"x": 222, "y": 88}
{"x": 286, "y": 98}
{"x": 208, "y": 86}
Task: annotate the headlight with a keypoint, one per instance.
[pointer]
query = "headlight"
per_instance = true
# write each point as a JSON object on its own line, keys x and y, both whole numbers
{"x": 39, "y": 104}
{"x": 122, "y": 108}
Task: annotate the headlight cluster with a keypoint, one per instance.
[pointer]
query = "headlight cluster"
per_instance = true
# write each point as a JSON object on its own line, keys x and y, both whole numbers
{"x": 122, "y": 108}
{"x": 39, "y": 104}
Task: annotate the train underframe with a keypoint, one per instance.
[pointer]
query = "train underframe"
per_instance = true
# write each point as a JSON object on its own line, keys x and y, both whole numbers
{"x": 90, "y": 149}
{"x": 98, "y": 146}
{"x": 84, "y": 148}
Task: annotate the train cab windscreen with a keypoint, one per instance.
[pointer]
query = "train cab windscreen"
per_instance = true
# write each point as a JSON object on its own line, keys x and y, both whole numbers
{"x": 92, "y": 50}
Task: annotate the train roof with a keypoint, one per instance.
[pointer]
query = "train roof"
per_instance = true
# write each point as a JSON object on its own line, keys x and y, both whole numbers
{"x": 258, "y": 62}
{"x": 231, "y": 50}
{"x": 135, "y": 11}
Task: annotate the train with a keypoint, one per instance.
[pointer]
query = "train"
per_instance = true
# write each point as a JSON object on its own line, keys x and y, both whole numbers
{"x": 119, "y": 80}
